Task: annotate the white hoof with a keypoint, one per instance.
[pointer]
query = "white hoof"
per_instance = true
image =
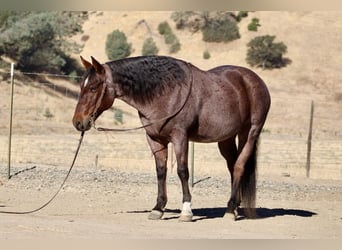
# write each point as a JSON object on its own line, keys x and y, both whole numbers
{"x": 186, "y": 214}
{"x": 185, "y": 218}
{"x": 155, "y": 215}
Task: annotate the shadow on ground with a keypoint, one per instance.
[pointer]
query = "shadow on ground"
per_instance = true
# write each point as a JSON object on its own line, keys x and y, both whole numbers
{"x": 219, "y": 212}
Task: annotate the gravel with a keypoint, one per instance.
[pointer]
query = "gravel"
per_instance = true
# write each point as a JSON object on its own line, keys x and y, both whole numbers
{"x": 113, "y": 180}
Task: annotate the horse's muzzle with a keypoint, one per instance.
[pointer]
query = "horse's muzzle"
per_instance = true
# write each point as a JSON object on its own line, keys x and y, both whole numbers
{"x": 82, "y": 125}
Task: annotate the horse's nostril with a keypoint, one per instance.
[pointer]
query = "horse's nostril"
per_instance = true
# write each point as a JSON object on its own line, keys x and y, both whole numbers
{"x": 78, "y": 125}
{"x": 82, "y": 125}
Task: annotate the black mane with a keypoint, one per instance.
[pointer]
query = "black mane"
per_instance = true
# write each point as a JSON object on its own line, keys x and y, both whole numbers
{"x": 146, "y": 77}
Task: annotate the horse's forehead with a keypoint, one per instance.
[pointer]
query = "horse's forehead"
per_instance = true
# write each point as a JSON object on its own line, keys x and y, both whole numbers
{"x": 89, "y": 79}
{"x": 86, "y": 81}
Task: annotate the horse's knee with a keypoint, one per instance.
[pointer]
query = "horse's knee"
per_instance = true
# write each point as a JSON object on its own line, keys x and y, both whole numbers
{"x": 161, "y": 172}
{"x": 183, "y": 172}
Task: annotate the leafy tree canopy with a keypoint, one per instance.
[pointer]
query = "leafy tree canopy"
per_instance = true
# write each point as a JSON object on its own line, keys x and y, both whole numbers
{"x": 40, "y": 40}
{"x": 117, "y": 46}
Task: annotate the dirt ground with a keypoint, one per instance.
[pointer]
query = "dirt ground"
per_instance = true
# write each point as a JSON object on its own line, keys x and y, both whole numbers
{"x": 114, "y": 204}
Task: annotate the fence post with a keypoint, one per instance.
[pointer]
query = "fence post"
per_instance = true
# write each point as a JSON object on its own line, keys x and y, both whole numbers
{"x": 192, "y": 163}
{"x": 10, "y": 123}
{"x": 308, "y": 155}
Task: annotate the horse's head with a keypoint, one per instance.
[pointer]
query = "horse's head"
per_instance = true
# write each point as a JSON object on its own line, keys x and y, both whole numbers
{"x": 96, "y": 95}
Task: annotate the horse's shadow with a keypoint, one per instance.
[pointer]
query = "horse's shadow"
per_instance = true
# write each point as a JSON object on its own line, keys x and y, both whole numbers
{"x": 219, "y": 212}
{"x": 261, "y": 213}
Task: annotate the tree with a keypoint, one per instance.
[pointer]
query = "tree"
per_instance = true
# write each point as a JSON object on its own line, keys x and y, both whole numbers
{"x": 192, "y": 20}
{"x": 263, "y": 52}
{"x": 220, "y": 30}
{"x": 117, "y": 46}
{"x": 169, "y": 37}
{"x": 39, "y": 40}
{"x": 216, "y": 26}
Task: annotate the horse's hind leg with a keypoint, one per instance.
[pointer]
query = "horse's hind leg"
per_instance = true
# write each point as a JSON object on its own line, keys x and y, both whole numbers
{"x": 229, "y": 151}
{"x": 160, "y": 155}
{"x": 245, "y": 170}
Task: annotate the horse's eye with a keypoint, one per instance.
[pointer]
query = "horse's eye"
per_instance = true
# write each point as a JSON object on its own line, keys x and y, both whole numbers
{"x": 94, "y": 88}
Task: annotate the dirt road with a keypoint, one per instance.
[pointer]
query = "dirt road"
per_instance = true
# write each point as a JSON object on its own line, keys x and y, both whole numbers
{"x": 114, "y": 204}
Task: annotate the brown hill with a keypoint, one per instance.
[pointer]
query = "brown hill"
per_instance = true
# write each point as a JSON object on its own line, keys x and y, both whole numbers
{"x": 313, "y": 41}
{"x": 314, "y": 47}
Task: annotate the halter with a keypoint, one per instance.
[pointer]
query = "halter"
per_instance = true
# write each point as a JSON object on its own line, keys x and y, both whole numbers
{"x": 98, "y": 102}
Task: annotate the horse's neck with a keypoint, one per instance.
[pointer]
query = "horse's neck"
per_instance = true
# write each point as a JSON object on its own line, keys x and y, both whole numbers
{"x": 141, "y": 108}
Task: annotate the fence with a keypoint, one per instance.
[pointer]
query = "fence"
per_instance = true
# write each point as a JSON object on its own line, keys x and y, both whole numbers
{"x": 43, "y": 135}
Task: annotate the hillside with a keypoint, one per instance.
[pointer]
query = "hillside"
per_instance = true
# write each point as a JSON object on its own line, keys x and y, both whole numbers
{"x": 314, "y": 47}
{"x": 313, "y": 41}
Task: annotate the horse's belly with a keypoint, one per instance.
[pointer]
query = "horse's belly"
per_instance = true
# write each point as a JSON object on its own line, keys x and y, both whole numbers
{"x": 215, "y": 129}
{"x": 208, "y": 138}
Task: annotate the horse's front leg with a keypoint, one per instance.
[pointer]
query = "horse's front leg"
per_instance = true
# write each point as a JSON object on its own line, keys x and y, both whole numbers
{"x": 160, "y": 155}
{"x": 181, "y": 151}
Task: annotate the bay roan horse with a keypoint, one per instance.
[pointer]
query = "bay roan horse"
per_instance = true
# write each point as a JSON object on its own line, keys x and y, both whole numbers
{"x": 178, "y": 102}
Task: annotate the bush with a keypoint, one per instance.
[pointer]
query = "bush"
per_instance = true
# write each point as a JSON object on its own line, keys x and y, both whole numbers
{"x": 117, "y": 46}
{"x": 254, "y": 24}
{"x": 169, "y": 37}
{"x": 175, "y": 47}
{"x": 149, "y": 47}
{"x": 206, "y": 54}
{"x": 241, "y": 14}
{"x": 73, "y": 76}
{"x": 216, "y": 26}
{"x": 263, "y": 52}
{"x": 192, "y": 20}
{"x": 220, "y": 30}
{"x": 164, "y": 28}
{"x": 118, "y": 116}
{"x": 48, "y": 113}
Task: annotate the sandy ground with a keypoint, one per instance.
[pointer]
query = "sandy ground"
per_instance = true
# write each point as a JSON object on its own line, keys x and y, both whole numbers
{"x": 112, "y": 203}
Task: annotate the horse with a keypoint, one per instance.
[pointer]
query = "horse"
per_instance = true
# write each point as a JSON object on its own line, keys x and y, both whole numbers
{"x": 177, "y": 102}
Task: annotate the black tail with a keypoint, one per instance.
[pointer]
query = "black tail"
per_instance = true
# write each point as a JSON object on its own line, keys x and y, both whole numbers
{"x": 248, "y": 184}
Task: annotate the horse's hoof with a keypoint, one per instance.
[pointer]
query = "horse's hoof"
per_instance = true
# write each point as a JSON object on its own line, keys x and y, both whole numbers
{"x": 231, "y": 216}
{"x": 155, "y": 215}
{"x": 185, "y": 218}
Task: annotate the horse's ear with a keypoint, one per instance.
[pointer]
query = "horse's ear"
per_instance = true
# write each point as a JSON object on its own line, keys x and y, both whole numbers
{"x": 98, "y": 67}
{"x": 85, "y": 63}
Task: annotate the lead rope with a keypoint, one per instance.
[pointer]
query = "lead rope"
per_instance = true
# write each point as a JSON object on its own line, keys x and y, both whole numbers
{"x": 60, "y": 188}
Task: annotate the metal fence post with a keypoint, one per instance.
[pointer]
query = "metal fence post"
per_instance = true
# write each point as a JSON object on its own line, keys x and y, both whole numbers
{"x": 192, "y": 163}
{"x": 10, "y": 123}
{"x": 308, "y": 154}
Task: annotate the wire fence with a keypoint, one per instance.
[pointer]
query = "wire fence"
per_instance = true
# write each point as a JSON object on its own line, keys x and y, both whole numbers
{"x": 43, "y": 134}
